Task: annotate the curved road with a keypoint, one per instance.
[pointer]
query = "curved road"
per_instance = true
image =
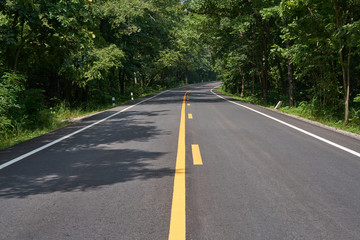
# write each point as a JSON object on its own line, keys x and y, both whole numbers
{"x": 248, "y": 175}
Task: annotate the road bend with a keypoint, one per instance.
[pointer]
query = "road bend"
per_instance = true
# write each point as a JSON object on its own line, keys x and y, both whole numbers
{"x": 261, "y": 179}
{"x": 184, "y": 164}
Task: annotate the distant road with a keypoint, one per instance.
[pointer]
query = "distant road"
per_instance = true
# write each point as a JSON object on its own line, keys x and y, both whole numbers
{"x": 183, "y": 164}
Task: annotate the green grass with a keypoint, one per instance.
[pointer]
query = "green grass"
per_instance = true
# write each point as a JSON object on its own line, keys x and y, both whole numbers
{"x": 300, "y": 111}
{"x": 248, "y": 99}
{"x": 61, "y": 116}
{"x": 16, "y": 136}
{"x": 339, "y": 124}
{"x": 64, "y": 113}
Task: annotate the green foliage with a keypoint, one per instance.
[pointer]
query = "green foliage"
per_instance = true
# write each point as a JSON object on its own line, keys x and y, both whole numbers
{"x": 86, "y": 52}
{"x": 83, "y": 53}
{"x": 33, "y": 109}
{"x": 300, "y": 51}
{"x": 11, "y": 89}
{"x": 104, "y": 60}
{"x": 20, "y": 107}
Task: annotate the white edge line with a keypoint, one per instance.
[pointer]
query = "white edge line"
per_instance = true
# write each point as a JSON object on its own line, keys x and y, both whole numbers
{"x": 71, "y": 134}
{"x": 293, "y": 127}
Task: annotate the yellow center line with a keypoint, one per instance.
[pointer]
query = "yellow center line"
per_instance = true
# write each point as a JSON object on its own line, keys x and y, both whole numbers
{"x": 197, "y": 160}
{"x": 190, "y": 116}
{"x": 209, "y": 84}
{"x": 178, "y": 213}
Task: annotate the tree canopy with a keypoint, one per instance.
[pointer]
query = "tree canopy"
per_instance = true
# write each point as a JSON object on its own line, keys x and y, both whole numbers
{"x": 303, "y": 52}
{"x": 88, "y": 51}
{"x": 299, "y": 51}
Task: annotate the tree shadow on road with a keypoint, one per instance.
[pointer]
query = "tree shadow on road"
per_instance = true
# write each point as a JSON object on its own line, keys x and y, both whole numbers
{"x": 96, "y": 158}
{"x": 100, "y": 168}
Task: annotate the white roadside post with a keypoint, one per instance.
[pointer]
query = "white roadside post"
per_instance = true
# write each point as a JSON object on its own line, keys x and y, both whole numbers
{"x": 278, "y": 105}
{"x": 132, "y": 96}
{"x": 113, "y": 101}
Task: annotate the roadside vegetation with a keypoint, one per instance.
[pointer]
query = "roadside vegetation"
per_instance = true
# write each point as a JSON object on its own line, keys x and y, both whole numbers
{"x": 302, "y": 110}
{"x": 303, "y": 53}
{"x": 60, "y": 59}
{"x": 52, "y": 118}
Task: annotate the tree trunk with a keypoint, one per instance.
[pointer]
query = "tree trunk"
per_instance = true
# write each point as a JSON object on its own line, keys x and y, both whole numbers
{"x": 121, "y": 81}
{"x": 253, "y": 84}
{"x": 135, "y": 79}
{"x": 347, "y": 90}
{"x": 345, "y": 72}
{"x": 18, "y": 50}
{"x": 259, "y": 63}
{"x": 282, "y": 79}
{"x": 242, "y": 85}
{"x": 264, "y": 63}
{"x": 84, "y": 94}
{"x": 290, "y": 78}
{"x": 123, "y": 88}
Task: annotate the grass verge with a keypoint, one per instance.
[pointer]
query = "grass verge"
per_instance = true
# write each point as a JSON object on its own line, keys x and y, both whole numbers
{"x": 61, "y": 116}
{"x": 16, "y": 136}
{"x": 299, "y": 111}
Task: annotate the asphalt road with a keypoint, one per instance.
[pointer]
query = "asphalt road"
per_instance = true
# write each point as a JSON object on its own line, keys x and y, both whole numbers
{"x": 259, "y": 178}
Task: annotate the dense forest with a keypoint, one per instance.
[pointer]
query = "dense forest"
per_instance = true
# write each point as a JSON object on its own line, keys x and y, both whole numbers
{"x": 81, "y": 53}
{"x": 303, "y": 52}
{"x": 84, "y": 52}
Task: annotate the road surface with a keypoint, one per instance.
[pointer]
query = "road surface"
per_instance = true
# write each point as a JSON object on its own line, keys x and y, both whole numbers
{"x": 186, "y": 163}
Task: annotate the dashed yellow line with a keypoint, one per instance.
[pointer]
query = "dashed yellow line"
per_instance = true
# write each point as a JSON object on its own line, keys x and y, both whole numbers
{"x": 197, "y": 160}
{"x": 190, "y": 116}
{"x": 188, "y": 104}
{"x": 209, "y": 84}
{"x": 178, "y": 213}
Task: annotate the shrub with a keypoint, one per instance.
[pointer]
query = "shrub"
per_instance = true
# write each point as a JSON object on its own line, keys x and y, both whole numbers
{"x": 11, "y": 87}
